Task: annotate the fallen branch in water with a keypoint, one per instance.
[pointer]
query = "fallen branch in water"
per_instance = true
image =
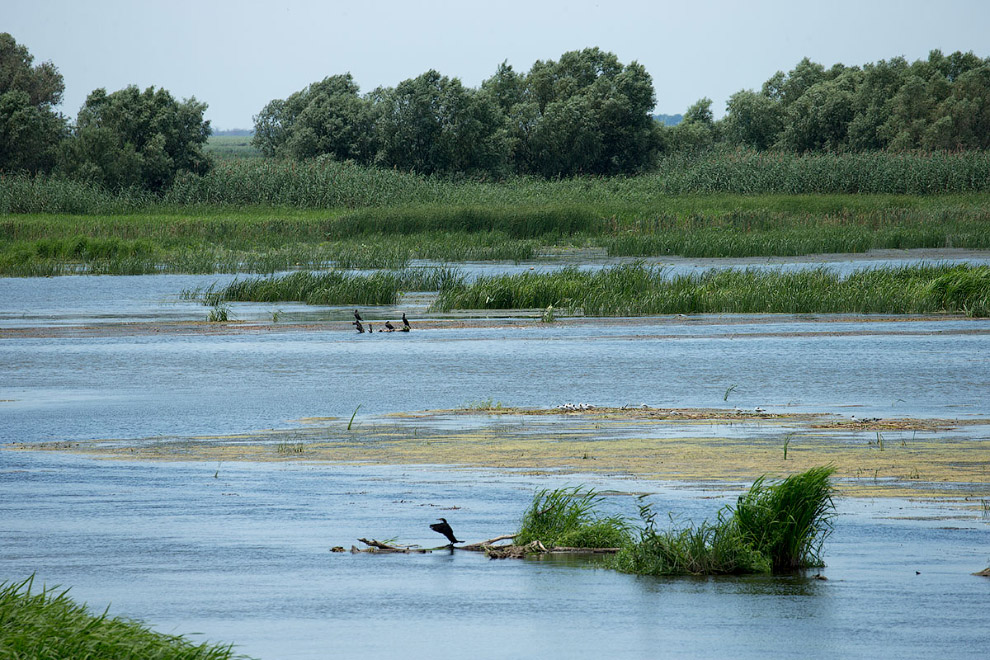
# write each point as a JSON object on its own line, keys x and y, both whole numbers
{"x": 384, "y": 548}
{"x": 537, "y": 548}
{"x": 491, "y": 550}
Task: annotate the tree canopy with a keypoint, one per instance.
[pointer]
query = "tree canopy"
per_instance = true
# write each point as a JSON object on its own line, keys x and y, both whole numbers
{"x": 134, "y": 138}
{"x": 941, "y": 103}
{"x": 586, "y": 113}
{"x": 30, "y": 129}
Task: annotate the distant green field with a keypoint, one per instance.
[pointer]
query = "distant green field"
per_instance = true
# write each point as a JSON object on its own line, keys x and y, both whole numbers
{"x": 231, "y": 146}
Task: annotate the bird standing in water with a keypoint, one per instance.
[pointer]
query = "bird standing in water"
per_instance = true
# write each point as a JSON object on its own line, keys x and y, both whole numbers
{"x": 405, "y": 321}
{"x": 443, "y": 528}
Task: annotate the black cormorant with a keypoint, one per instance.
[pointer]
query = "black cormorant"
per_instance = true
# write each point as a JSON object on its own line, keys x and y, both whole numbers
{"x": 360, "y": 328}
{"x": 357, "y": 317}
{"x": 389, "y": 326}
{"x": 443, "y": 528}
{"x": 405, "y": 321}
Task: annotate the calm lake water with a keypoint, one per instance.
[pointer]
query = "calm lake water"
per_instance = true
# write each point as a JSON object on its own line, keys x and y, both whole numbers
{"x": 240, "y": 552}
{"x": 244, "y": 557}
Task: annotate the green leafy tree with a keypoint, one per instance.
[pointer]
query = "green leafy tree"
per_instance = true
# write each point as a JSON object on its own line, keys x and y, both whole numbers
{"x": 696, "y": 131}
{"x": 789, "y": 87}
{"x": 272, "y": 127}
{"x": 963, "y": 119}
{"x": 328, "y": 117}
{"x": 753, "y": 120}
{"x": 819, "y": 119}
{"x": 432, "y": 124}
{"x": 586, "y": 113}
{"x": 335, "y": 121}
{"x": 878, "y": 84}
{"x": 30, "y": 129}
{"x": 135, "y": 138}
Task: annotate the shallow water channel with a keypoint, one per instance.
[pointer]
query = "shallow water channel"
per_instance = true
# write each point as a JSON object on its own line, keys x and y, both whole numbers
{"x": 240, "y": 552}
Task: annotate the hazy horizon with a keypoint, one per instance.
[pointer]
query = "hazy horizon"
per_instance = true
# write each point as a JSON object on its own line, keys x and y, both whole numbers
{"x": 237, "y": 56}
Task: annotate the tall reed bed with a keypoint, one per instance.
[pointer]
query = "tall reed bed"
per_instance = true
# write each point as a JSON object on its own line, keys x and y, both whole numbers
{"x": 324, "y": 183}
{"x": 642, "y": 290}
{"x": 48, "y": 624}
{"x": 766, "y": 232}
{"x": 774, "y": 527}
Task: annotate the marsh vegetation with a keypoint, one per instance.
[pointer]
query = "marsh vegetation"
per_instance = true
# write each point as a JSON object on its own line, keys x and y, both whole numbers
{"x": 774, "y": 527}
{"x": 47, "y": 623}
{"x": 268, "y": 240}
{"x": 640, "y": 290}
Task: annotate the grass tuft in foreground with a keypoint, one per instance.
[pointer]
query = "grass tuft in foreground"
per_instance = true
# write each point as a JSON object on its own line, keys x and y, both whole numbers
{"x": 48, "y": 624}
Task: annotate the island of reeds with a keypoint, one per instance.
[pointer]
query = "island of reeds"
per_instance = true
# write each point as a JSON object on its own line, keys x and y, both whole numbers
{"x": 774, "y": 527}
{"x": 640, "y": 290}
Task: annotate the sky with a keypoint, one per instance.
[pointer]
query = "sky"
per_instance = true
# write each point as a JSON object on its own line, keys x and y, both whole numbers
{"x": 237, "y": 55}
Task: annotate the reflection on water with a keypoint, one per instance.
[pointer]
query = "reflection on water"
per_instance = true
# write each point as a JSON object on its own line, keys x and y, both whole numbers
{"x": 244, "y": 557}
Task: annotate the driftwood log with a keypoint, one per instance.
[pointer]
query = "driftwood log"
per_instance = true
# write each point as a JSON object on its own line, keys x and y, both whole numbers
{"x": 492, "y": 551}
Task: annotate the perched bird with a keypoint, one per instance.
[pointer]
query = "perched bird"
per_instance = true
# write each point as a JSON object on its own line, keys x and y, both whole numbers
{"x": 357, "y": 317}
{"x": 443, "y": 528}
{"x": 360, "y": 328}
{"x": 389, "y": 326}
{"x": 405, "y": 321}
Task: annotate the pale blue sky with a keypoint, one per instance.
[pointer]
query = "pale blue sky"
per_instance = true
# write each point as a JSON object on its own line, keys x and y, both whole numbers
{"x": 236, "y": 55}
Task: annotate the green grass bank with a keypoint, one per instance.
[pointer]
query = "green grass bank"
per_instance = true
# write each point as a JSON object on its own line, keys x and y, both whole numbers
{"x": 48, "y": 624}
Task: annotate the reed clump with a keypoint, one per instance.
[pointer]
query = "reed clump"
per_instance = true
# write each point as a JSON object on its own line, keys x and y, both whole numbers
{"x": 48, "y": 624}
{"x": 568, "y": 517}
{"x": 774, "y": 527}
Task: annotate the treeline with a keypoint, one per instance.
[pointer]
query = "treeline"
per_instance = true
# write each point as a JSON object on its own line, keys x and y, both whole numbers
{"x": 128, "y": 139}
{"x": 589, "y": 114}
{"x": 584, "y": 114}
{"x": 942, "y": 103}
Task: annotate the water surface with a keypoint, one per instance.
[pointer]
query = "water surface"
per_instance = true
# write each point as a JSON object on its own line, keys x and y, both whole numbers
{"x": 244, "y": 557}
